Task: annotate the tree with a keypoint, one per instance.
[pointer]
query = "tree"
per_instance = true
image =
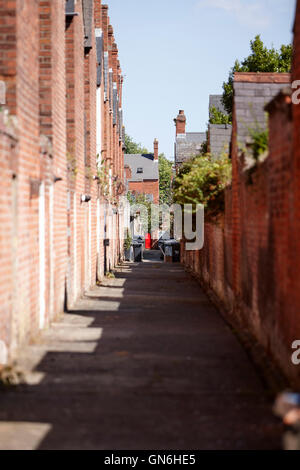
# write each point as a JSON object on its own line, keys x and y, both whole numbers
{"x": 261, "y": 59}
{"x": 132, "y": 147}
{"x": 218, "y": 117}
{"x": 202, "y": 180}
{"x": 165, "y": 179}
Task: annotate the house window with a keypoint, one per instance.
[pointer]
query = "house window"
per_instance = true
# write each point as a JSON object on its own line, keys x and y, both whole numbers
{"x": 140, "y": 170}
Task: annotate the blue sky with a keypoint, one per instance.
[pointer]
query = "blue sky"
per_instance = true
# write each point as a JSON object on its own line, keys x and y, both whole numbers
{"x": 175, "y": 53}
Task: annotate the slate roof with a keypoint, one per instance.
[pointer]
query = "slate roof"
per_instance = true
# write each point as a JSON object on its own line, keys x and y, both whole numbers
{"x": 219, "y": 139}
{"x": 99, "y": 47}
{"x": 147, "y": 162}
{"x": 188, "y": 145}
{"x": 87, "y": 6}
{"x": 70, "y": 7}
{"x": 216, "y": 101}
{"x": 250, "y": 100}
{"x": 196, "y": 137}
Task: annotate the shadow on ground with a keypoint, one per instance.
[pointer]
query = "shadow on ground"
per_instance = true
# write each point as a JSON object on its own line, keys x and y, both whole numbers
{"x": 142, "y": 362}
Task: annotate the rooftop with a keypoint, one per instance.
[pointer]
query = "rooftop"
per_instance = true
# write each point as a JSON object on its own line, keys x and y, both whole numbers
{"x": 144, "y": 162}
{"x": 253, "y": 91}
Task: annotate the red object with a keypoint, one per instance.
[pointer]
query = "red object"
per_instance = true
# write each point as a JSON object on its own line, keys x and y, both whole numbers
{"x": 148, "y": 241}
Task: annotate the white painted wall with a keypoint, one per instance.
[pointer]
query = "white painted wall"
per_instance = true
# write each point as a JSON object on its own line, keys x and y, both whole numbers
{"x": 42, "y": 260}
{"x": 75, "y": 246}
{"x": 51, "y": 248}
{"x": 90, "y": 243}
{"x": 98, "y": 226}
{"x": 3, "y": 353}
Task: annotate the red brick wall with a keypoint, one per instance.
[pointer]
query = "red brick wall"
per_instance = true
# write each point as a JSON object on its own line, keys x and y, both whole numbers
{"x": 51, "y": 89}
{"x": 294, "y": 247}
{"x": 75, "y": 153}
{"x": 112, "y": 151}
{"x": 180, "y": 123}
{"x": 90, "y": 65}
{"x": 146, "y": 187}
{"x": 246, "y": 260}
{"x": 19, "y": 68}
{"x": 8, "y": 56}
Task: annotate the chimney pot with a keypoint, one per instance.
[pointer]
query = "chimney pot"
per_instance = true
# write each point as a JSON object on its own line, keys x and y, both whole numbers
{"x": 155, "y": 149}
{"x": 180, "y": 122}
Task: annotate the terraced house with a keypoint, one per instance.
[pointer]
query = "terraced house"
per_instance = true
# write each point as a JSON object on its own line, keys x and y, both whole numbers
{"x": 61, "y": 160}
{"x": 142, "y": 174}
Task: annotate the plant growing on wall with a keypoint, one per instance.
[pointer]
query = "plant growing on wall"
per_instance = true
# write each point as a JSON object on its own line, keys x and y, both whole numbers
{"x": 261, "y": 59}
{"x": 72, "y": 164}
{"x": 260, "y": 141}
{"x": 103, "y": 178}
{"x": 202, "y": 180}
{"x": 110, "y": 186}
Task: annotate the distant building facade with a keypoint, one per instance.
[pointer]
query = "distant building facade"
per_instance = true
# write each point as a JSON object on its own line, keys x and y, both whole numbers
{"x": 142, "y": 174}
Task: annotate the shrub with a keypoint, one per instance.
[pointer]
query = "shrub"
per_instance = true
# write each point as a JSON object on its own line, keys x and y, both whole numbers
{"x": 202, "y": 180}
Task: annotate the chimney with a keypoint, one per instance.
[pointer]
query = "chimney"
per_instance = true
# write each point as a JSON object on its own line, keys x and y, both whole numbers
{"x": 180, "y": 122}
{"x": 155, "y": 149}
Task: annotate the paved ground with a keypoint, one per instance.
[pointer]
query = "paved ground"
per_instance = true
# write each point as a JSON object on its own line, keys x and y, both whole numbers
{"x": 144, "y": 362}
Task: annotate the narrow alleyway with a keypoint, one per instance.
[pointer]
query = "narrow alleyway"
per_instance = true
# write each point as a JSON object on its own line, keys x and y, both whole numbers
{"x": 144, "y": 362}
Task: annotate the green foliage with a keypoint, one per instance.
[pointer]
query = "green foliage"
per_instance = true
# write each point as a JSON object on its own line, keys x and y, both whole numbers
{"x": 103, "y": 175}
{"x": 132, "y": 147}
{"x": 261, "y": 59}
{"x": 218, "y": 117}
{"x": 165, "y": 179}
{"x": 260, "y": 141}
{"x": 202, "y": 180}
{"x": 111, "y": 187}
{"x": 110, "y": 275}
{"x": 72, "y": 164}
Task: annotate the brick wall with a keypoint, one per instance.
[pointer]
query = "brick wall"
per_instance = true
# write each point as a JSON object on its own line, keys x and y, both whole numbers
{"x": 249, "y": 260}
{"x": 75, "y": 119}
{"x": 90, "y": 89}
{"x": 52, "y": 105}
{"x": 26, "y": 109}
{"x": 146, "y": 187}
{"x": 50, "y": 133}
{"x": 294, "y": 247}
